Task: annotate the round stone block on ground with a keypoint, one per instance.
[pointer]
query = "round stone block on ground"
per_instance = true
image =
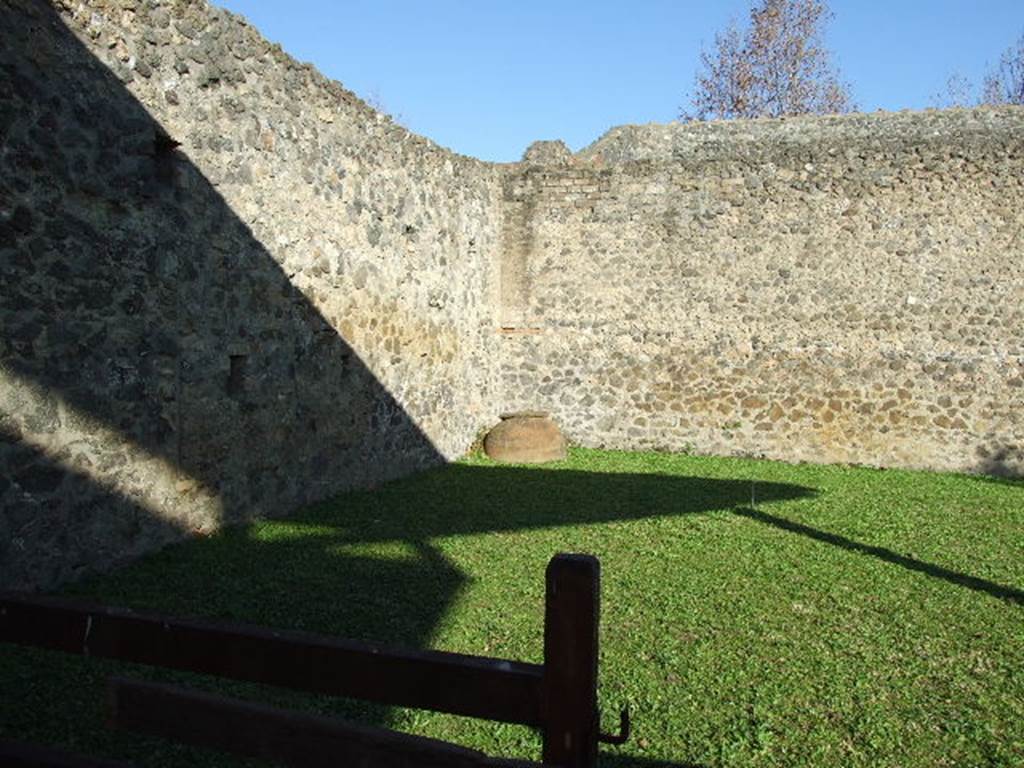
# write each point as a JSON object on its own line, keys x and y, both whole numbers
{"x": 530, "y": 437}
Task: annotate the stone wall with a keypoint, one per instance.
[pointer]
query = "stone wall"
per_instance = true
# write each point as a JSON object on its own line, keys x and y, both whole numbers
{"x": 229, "y": 286}
{"x": 844, "y": 289}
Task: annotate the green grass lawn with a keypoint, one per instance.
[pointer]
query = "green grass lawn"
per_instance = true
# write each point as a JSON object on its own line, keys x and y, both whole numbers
{"x": 753, "y": 613}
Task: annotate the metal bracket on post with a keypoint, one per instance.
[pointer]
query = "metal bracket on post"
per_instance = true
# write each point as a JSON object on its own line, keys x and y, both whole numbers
{"x": 623, "y": 735}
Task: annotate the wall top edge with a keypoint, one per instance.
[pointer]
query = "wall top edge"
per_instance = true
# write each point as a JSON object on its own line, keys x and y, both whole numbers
{"x": 661, "y": 141}
{"x": 198, "y": 22}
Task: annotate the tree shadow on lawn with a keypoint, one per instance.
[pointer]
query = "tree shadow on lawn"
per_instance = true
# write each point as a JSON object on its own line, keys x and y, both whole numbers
{"x": 1000, "y": 591}
{"x": 367, "y": 565}
{"x": 605, "y": 760}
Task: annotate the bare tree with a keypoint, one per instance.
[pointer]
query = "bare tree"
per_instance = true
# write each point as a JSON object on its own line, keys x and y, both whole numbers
{"x": 776, "y": 66}
{"x": 958, "y": 93}
{"x": 1005, "y": 83}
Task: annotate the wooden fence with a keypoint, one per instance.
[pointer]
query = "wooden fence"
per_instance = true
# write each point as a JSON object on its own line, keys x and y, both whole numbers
{"x": 559, "y": 696}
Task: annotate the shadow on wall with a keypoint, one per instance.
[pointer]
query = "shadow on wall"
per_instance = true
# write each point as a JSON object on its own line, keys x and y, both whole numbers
{"x": 96, "y": 525}
{"x": 1003, "y": 463}
{"x": 159, "y": 373}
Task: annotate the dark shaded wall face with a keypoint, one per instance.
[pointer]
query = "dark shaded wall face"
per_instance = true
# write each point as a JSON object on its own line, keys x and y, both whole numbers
{"x": 229, "y": 288}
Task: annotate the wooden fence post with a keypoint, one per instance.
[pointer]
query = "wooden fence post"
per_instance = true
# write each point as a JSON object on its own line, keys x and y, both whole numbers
{"x": 571, "y": 616}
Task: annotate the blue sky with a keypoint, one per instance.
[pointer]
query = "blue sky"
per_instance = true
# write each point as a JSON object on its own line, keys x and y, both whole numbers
{"x": 487, "y": 78}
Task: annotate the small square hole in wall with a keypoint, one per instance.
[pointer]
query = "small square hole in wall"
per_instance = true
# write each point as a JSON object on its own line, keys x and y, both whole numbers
{"x": 164, "y": 156}
{"x": 236, "y": 375}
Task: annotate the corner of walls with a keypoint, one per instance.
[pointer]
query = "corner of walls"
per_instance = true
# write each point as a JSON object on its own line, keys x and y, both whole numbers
{"x": 235, "y": 288}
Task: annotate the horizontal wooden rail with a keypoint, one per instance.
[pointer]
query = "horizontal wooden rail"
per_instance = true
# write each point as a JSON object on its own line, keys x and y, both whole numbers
{"x": 277, "y": 735}
{"x": 16, "y": 754}
{"x": 476, "y": 686}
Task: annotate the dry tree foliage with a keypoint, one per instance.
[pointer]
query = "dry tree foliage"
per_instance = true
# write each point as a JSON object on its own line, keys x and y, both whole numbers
{"x": 957, "y": 93}
{"x": 1005, "y": 84}
{"x": 777, "y": 66}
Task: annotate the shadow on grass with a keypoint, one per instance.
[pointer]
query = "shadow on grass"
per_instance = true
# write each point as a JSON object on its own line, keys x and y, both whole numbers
{"x": 137, "y": 239}
{"x": 626, "y": 761}
{"x": 935, "y": 571}
{"x": 1013, "y": 481}
{"x": 142, "y": 314}
{"x": 369, "y": 565}
{"x": 365, "y": 565}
